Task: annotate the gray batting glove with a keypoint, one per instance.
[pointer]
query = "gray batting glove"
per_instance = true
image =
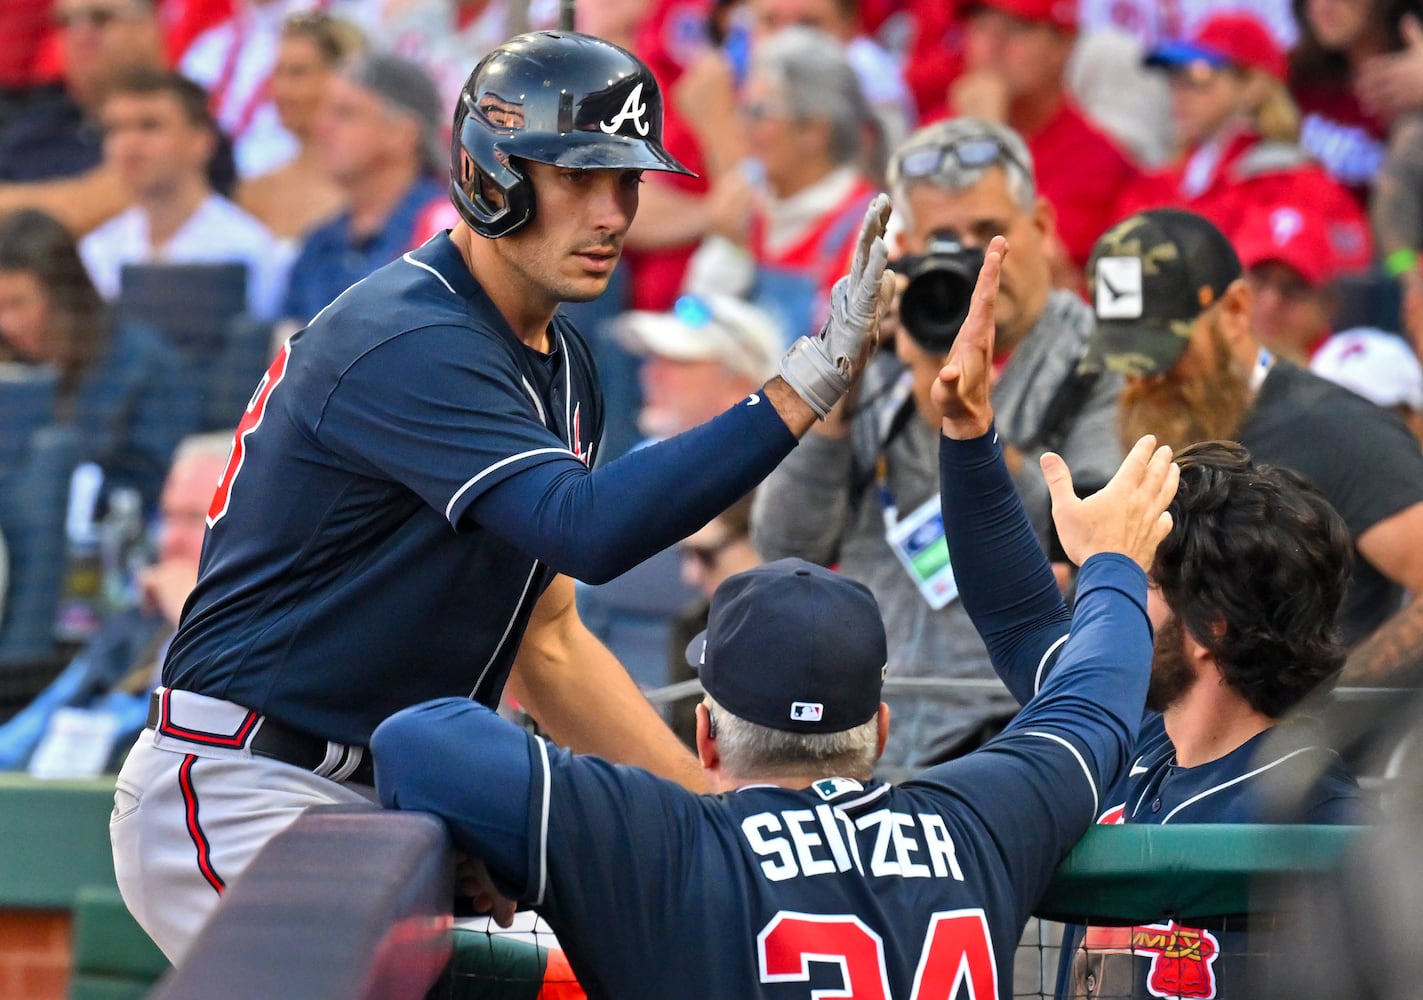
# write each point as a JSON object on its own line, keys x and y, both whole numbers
{"x": 821, "y": 368}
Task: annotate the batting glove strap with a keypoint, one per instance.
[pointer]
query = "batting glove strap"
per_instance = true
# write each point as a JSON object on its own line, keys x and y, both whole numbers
{"x": 808, "y": 369}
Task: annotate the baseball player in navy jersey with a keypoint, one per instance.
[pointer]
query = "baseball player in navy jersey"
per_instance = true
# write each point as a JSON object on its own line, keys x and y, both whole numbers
{"x": 1244, "y": 593}
{"x": 410, "y": 491}
{"x": 805, "y": 877}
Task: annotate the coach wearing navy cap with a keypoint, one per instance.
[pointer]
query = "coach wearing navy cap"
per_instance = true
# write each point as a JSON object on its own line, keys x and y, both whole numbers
{"x": 813, "y": 877}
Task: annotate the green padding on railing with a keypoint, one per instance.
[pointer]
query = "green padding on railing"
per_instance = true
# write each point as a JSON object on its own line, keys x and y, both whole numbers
{"x": 109, "y": 942}
{"x": 89, "y": 987}
{"x": 491, "y": 966}
{"x": 54, "y": 838}
{"x": 1138, "y": 873}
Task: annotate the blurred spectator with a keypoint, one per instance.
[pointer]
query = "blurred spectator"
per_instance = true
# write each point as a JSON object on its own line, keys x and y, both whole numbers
{"x": 1152, "y": 22}
{"x": 382, "y": 140}
{"x": 1378, "y": 366}
{"x": 50, "y": 156}
{"x": 448, "y": 37}
{"x": 1174, "y": 315}
{"x": 871, "y": 471}
{"x": 159, "y": 138}
{"x": 1337, "y": 39}
{"x": 294, "y": 197}
{"x": 704, "y": 355}
{"x": 1106, "y": 78}
{"x": 805, "y": 120}
{"x": 102, "y": 39}
{"x": 1391, "y": 84}
{"x": 24, "y": 29}
{"x": 880, "y": 78}
{"x": 934, "y": 52}
{"x": 113, "y": 674}
{"x": 721, "y": 549}
{"x": 126, "y": 389}
{"x": 233, "y": 61}
{"x": 701, "y": 129}
{"x": 1015, "y": 56}
{"x": 1291, "y": 262}
{"x": 1396, "y": 214}
{"x": 1237, "y": 131}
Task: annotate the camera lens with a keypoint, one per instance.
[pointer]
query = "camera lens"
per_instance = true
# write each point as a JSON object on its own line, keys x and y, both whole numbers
{"x": 934, "y": 306}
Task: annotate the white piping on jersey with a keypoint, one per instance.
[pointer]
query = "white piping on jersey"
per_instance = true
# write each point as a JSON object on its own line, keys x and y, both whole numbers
{"x": 543, "y": 824}
{"x": 426, "y": 267}
{"x": 567, "y": 393}
{"x": 1091, "y": 781}
{"x": 1233, "y": 781}
{"x": 1038, "y": 677}
{"x": 858, "y": 801}
{"x": 538, "y": 403}
{"x": 509, "y": 627}
{"x": 450, "y": 507}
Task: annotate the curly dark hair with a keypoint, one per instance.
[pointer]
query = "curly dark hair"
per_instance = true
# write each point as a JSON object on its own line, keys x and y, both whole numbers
{"x": 1255, "y": 567}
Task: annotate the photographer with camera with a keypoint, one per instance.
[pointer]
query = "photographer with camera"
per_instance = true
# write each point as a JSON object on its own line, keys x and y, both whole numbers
{"x": 871, "y": 470}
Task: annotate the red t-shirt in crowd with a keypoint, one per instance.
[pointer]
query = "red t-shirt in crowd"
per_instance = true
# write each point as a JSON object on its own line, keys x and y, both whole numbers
{"x": 673, "y": 35}
{"x": 1083, "y": 174}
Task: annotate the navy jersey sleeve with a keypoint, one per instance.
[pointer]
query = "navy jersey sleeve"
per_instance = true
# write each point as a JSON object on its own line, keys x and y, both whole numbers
{"x": 526, "y": 806}
{"x": 1005, "y": 579}
{"x": 468, "y": 437}
{"x": 1042, "y": 782}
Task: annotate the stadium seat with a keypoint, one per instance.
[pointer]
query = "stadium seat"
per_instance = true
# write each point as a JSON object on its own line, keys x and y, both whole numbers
{"x": 36, "y": 460}
{"x": 202, "y": 310}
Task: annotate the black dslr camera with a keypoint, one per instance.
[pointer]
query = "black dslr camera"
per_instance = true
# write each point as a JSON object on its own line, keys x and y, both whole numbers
{"x": 935, "y": 303}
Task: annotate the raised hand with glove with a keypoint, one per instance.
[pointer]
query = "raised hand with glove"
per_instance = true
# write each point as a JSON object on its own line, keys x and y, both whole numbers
{"x": 821, "y": 368}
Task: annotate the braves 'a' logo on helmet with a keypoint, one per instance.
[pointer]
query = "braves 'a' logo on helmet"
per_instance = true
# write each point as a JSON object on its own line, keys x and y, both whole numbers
{"x": 556, "y": 97}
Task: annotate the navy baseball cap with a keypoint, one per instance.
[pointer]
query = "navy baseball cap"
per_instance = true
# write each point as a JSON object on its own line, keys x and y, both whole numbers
{"x": 793, "y": 646}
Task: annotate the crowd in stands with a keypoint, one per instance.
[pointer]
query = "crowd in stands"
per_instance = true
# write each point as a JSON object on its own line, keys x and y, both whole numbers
{"x": 260, "y": 156}
{"x": 184, "y": 184}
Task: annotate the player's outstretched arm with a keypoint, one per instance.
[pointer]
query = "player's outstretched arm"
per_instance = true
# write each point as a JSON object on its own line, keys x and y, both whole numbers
{"x": 583, "y": 697}
{"x": 819, "y": 370}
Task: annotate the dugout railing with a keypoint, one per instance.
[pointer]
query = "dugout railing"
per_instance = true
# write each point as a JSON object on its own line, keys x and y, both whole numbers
{"x": 356, "y": 904}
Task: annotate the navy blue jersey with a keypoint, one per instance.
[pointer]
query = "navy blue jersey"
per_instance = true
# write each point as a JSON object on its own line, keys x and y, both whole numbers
{"x": 842, "y": 888}
{"x": 1008, "y": 588}
{"x": 405, "y": 482}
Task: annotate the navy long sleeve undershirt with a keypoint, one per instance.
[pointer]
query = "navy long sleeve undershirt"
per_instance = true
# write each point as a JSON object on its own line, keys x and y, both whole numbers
{"x": 1005, "y": 579}
{"x": 594, "y": 525}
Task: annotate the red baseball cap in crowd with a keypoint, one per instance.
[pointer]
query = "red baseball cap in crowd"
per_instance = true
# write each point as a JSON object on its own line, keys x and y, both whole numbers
{"x": 1060, "y": 14}
{"x": 1233, "y": 38}
{"x": 1293, "y": 236}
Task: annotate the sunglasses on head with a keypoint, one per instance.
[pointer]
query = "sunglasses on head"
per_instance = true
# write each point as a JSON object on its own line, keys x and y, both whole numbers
{"x": 974, "y": 153}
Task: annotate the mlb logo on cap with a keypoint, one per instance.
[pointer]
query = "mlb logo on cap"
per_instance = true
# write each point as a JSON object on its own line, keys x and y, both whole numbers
{"x": 807, "y": 711}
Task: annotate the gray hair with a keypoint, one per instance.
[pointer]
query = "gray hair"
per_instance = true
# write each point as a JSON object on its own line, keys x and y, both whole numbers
{"x": 749, "y": 750}
{"x": 815, "y": 79}
{"x": 948, "y": 173}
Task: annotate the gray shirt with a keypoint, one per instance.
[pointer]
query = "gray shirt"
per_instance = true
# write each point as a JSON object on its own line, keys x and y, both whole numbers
{"x": 806, "y": 508}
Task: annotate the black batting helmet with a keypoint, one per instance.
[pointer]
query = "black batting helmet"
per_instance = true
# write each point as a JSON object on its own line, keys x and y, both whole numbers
{"x": 557, "y": 97}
